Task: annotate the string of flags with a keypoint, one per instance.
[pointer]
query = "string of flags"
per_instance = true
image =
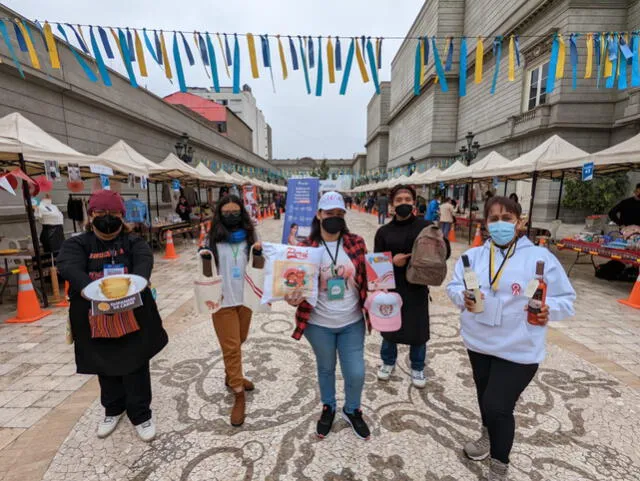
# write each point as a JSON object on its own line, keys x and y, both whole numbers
{"x": 609, "y": 56}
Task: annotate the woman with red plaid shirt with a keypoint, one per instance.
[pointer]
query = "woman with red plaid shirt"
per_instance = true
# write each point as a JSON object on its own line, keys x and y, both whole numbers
{"x": 336, "y": 325}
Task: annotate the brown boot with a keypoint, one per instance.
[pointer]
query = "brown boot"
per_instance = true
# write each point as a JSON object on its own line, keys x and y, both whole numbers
{"x": 237, "y": 412}
{"x": 248, "y": 385}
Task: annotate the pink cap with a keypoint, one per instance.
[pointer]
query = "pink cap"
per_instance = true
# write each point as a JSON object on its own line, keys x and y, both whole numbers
{"x": 385, "y": 310}
{"x": 106, "y": 200}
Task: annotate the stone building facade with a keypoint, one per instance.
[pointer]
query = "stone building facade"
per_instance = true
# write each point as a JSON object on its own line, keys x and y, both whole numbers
{"x": 431, "y": 127}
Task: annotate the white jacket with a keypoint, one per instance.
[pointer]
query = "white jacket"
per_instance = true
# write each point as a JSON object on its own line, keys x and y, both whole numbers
{"x": 502, "y": 329}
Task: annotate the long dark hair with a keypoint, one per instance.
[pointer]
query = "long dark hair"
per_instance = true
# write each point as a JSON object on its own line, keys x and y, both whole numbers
{"x": 316, "y": 232}
{"x": 219, "y": 233}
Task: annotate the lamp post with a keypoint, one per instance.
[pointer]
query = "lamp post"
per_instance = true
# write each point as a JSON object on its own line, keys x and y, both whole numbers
{"x": 183, "y": 150}
{"x": 468, "y": 153}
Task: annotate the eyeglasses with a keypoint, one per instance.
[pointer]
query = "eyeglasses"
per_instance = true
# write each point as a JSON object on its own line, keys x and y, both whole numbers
{"x": 99, "y": 212}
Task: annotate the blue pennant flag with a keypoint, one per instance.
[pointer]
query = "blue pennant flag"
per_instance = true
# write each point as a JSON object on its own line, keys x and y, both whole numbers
{"x": 624, "y": 48}
{"x": 131, "y": 46}
{"x": 85, "y": 67}
{"x": 439, "y": 70}
{"x": 338, "y": 54}
{"x": 294, "y": 55}
{"x": 553, "y": 63}
{"x": 187, "y": 50}
{"x": 449, "y": 62}
{"x": 598, "y": 39}
{"x": 20, "y": 38}
{"x": 98, "y": 56}
{"x": 127, "y": 58}
{"x": 573, "y": 58}
{"x": 303, "y": 61}
{"x": 372, "y": 66}
{"x": 227, "y": 51}
{"x": 83, "y": 46}
{"x": 635, "y": 63}
{"x": 266, "y": 51}
{"x": 497, "y": 53}
{"x": 612, "y": 49}
{"x": 178, "y": 61}
{"x": 622, "y": 75}
{"x": 105, "y": 42}
{"x": 12, "y": 52}
{"x": 320, "y": 72}
{"x": 312, "y": 62}
{"x": 203, "y": 50}
{"x": 425, "y": 46}
{"x": 517, "y": 43}
{"x": 379, "y": 52}
{"x": 417, "y": 69}
{"x": 347, "y": 67}
{"x": 463, "y": 67}
{"x": 236, "y": 66}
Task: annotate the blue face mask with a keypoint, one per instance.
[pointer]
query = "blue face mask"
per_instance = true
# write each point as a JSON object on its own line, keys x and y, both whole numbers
{"x": 502, "y": 233}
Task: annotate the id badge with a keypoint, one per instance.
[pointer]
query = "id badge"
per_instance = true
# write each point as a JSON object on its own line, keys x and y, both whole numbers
{"x": 236, "y": 272}
{"x": 113, "y": 269}
{"x": 336, "y": 287}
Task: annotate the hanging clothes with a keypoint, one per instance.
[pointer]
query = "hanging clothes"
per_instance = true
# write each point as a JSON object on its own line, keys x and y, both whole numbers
{"x": 75, "y": 209}
{"x": 166, "y": 193}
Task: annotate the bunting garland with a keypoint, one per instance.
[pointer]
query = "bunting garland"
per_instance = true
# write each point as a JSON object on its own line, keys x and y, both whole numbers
{"x": 51, "y": 46}
{"x": 497, "y": 53}
{"x": 338, "y": 53}
{"x": 622, "y": 63}
{"x": 85, "y": 67}
{"x": 283, "y": 60}
{"x": 613, "y": 61}
{"x": 512, "y": 59}
{"x": 303, "y": 60}
{"x": 213, "y": 64}
{"x": 479, "y": 60}
{"x": 252, "y": 56}
{"x": 361, "y": 65}
{"x": 588, "y": 71}
{"x": 417, "y": 69}
{"x": 330, "y": 62}
{"x": 227, "y": 51}
{"x": 7, "y": 41}
{"x": 236, "y": 65}
{"x": 294, "y": 56}
{"x": 33, "y": 56}
{"x": 439, "y": 70}
{"x": 599, "y": 46}
{"x": 553, "y": 62}
{"x": 347, "y": 68}
{"x": 449, "y": 62}
{"x": 373, "y": 66}
{"x": 98, "y": 56}
{"x": 165, "y": 57}
{"x": 142, "y": 63}
{"x": 132, "y": 56}
{"x": 635, "y": 65}
{"x": 422, "y": 65}
{"x": 320, "y": 72}
{"x": 573, "y": 59}
{"x": 223, "y": 53}
{"x": 178, "y": 64}
{"x": 310, "y": 53}
{"x": 22, "y": 45}
{"x": 463, "y": 68}
{"x": 561, "y": 58}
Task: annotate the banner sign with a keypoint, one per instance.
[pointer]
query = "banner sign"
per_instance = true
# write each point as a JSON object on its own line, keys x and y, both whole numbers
{"x": 587, "y": 172}
{"x": 100, "y": 169}
{"x": 250, "y": 197}
{"x": 301, "y": 208}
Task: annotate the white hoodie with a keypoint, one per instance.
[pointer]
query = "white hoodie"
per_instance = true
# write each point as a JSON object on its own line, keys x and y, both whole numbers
{"x": 502, "y": 329}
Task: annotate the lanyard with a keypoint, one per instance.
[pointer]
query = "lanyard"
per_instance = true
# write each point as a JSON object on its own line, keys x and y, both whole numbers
{"x": 494, "y": 279}
{"x": 235, "y": 248}
{"x": 334, "y": 259}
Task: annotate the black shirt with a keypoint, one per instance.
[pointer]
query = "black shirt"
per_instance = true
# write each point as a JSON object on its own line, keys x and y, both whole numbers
{"x": 626, "y": 212}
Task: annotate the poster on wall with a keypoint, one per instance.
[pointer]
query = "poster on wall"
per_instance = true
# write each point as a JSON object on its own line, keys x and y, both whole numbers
{"x": 250, "y": 198}
{"x": 144, "y": 182}
{"x": 52, "y": 170}
{"x": 131, "y": 180}
{"x": 73, "y": 172}
{"x": 302, "y": 204}
{"x": 104, "y": 182}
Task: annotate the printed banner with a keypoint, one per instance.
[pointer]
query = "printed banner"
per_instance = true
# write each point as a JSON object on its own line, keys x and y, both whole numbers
{"x": 250, "y": 198}
{"x": 301, "y": 208}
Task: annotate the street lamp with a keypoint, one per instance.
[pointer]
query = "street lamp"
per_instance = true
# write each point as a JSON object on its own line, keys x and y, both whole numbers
{"x": 183, "y": 150}
{"x": 470, "y": 151}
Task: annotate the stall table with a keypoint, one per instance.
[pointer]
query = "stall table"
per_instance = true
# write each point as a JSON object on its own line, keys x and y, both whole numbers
{"x": 582, "y": 249}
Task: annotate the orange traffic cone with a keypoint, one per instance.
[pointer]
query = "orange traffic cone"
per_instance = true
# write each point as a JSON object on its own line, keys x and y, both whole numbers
{"x": 170, "y": 252}
{"x": 452, "y": 235}
{"x": 477, "y": 240}
{"x": 28, "y": 303}
{"x": 634, "y": 297}
{"x": 65, "y": 300}
{"x": 203, "y": 235}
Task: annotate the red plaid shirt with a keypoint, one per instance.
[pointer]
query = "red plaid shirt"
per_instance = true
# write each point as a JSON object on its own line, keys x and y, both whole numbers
{"x": 355, "y": 248}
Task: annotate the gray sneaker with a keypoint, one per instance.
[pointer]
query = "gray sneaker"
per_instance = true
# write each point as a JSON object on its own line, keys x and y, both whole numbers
{"x": 479, "y": 449}
{"x": 498, "y": 471}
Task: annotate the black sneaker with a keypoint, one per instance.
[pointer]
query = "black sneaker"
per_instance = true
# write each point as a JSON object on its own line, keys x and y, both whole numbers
{"x": 357, "y": 423}
{"x": 326, "y": 421}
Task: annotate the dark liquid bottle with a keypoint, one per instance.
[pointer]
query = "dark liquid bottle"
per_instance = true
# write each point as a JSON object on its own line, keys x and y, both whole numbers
{"x": 539, "y": 298}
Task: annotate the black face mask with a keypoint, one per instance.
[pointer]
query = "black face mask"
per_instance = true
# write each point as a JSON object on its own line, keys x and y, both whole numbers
{"x": 404, "y": 210}
{"x": 107, "y": 224}
{"x": 333, "y": 225}
{"x": 231, "y": 220}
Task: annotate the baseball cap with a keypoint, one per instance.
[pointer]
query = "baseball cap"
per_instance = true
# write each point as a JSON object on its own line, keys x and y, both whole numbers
{"x": 106, "y": 200}
{"x": 331, "y": 200}
{"x": 384, "y": 310}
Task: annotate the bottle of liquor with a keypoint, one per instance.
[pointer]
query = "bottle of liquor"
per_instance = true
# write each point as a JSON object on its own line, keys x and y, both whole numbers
{"x": 537, "y": 301}
{"x": 472, "y": 285}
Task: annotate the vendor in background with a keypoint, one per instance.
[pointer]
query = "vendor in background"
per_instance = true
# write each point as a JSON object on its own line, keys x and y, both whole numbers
{"x": 627, "y": 212}
{"x": 183, "y": 209}
{"x": 116, "y": 347}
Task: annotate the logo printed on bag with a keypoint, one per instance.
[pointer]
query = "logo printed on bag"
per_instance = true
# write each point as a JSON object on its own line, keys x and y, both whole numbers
{"x": 516, "y": 289}
{"x": 297, "y": 254}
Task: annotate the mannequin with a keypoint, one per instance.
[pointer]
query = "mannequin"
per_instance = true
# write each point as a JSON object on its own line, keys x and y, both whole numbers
{"x": 52, "y": 220}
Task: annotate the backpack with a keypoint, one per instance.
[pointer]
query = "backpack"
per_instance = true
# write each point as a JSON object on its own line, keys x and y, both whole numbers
{"x": 428, "y": 263}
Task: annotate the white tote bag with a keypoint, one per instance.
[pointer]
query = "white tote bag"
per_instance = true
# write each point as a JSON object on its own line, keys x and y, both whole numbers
{"x": 253, "y": 287}
{"x": 207, "y": 290}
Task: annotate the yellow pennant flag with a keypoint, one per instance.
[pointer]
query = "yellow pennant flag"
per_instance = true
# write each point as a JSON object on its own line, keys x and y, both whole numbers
{"x": 32, "y": 51}
{"x": 255, "y": 73}
{"x": 140, "y": 55}
{"x": 422, "y": 66}
{"x": 608, "y": 66}
{"x": 588, "y": 71}
{"x": 361, "y": 65}
{"x": 165, "y": 57}
{"x": 512, "y": 59}
{"x": 51, "y": 45}
{"x": 561, "y": 57}
{"x": 330, "y": 62}
{"x": 117, "y": 39}
{"x": 479, "y": 60}
{"x": 224, "y": 57}
{"x": 378, "y": 53}
{"x": 283, "y": 60}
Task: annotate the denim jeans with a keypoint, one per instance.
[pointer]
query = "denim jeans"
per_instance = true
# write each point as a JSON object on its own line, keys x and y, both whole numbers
{"x": 382, "y": 217}
{"x": 348, "y": 343}
{"x": 446, "y": 227}
{"x": 417, "y": 354}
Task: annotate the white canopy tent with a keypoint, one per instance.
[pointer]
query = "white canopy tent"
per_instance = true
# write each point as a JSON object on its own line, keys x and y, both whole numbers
{"x": 208, "y": 175}
{"x": 430, "y": 176}
{"x": 177, "y": 168}
{"x": 129, "y": 160}
{"x": 457, "y": 171}
{"x": 493, "y": 160}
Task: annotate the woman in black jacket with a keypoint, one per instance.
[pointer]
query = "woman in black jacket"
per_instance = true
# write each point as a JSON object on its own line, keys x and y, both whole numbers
{"x": 398, "y": 237}
{"x": 120, "y": 357}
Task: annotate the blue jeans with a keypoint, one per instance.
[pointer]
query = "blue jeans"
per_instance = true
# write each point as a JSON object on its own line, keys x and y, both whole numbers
{"x": 417, "y": 354}
{"x": 445, "y": 227}
{"x": 382, "y": 217}
{"x": 348, "y": 343}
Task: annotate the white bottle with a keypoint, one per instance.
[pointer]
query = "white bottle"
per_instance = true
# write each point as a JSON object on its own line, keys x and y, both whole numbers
{"x": 472, "y": 285}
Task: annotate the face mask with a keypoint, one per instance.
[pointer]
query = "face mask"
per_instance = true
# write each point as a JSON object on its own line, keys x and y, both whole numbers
{"x": 333, "y": 225}
{"x": 404, "y": 210}
{"x": 232, "y": 220}
{"x": 107, "y": 224}
{"x": 502, "y": 233}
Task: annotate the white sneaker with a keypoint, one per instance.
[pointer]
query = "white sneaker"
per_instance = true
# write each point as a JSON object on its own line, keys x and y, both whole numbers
{"x": 147, "y": 430}
{"x": 384, "y": 373}
{"x": 418, "y": 379}
{"x": 108, "y": 425}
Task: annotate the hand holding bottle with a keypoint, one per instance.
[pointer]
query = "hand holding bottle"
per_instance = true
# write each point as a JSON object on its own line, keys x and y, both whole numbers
{"x": 539, "y": 319}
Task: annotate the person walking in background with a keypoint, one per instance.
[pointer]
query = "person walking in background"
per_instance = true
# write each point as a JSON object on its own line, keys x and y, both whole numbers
{"x": 116, "y": 347}
{"x": 383, "y": 208}
{"x": 231, "y": 240}
{"x": 433, "y": 209}
{"x": 446, "y": 217}
{"x": 371, "y": 201}
{"x": 336, "y": 326}
{"x": 505, "y": 344}
{"x": 398, "y": 237}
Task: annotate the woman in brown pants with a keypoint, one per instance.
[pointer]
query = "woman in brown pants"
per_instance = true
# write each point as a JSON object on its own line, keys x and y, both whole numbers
{"x": 232, "y": 236}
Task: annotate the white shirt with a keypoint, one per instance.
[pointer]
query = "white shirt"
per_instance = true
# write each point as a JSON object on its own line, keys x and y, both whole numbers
{"x": 48, "y": 213}
{"x": 446, "y": 212}
{"x": 338, "y": 313}
{"x": 232, "y": 257}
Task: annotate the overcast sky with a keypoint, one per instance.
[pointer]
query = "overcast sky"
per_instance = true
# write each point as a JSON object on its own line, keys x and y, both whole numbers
{"x": 328, "y": 126}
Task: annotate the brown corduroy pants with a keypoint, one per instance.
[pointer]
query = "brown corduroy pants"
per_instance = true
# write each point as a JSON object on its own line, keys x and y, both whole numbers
{"x": 232, "y": 328}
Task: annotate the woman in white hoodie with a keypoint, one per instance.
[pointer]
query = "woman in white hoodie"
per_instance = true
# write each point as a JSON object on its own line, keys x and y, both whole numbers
{"x": 504, "y": 348}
